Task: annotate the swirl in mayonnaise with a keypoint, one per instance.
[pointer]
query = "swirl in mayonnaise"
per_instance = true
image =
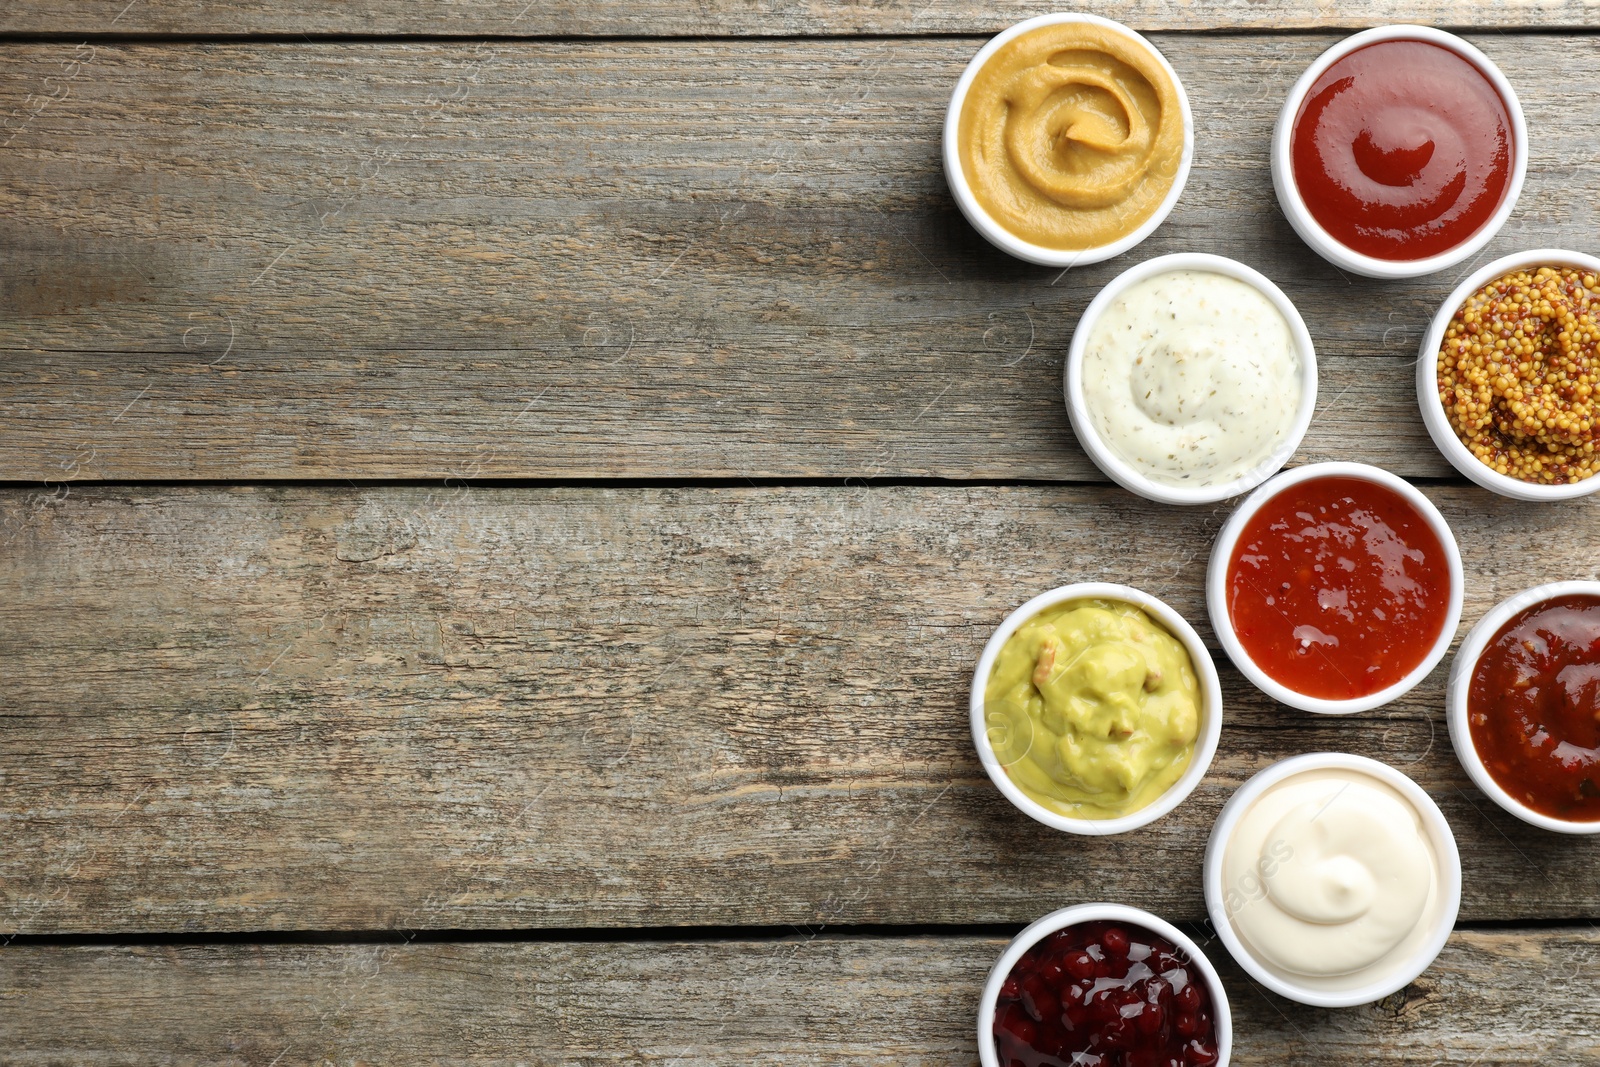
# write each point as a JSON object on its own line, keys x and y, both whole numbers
{"x": 1331, "y": 878}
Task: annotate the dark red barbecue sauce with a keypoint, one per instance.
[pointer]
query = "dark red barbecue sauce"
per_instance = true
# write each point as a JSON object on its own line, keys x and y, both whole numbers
{"x": 1533, "y": 708}
{"x": 1402, "y": 150}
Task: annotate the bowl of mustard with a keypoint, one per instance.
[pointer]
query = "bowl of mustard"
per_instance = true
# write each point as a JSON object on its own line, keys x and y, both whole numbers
{"x": 1068, "y": 140}
{"x": 1096, "y": 709}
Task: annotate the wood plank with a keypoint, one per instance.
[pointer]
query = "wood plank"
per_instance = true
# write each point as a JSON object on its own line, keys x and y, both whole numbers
{"x": 1493, "y": 998}
{"x": 525, "y": 259}
{"x": 275, "y": 708}
{"x": 651, "y": 18}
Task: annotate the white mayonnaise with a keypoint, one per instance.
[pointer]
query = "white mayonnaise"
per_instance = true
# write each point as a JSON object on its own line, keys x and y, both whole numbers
{"x": 1192, "y": 378}
{"x": 1331, "y": 878}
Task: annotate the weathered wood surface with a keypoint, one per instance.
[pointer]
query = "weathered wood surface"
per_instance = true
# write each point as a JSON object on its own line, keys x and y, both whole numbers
{"x": 734, "y": 17}
{"x": 276, "y": 708}
{"x": 1510, "y": 998}
{"x": 524, "y": 259}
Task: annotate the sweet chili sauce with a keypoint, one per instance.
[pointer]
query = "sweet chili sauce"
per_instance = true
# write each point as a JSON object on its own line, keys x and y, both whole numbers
{"x": 1402, "y": 150}
{"x": 1338, "y": 587}
{"x": 1533, "y": 707}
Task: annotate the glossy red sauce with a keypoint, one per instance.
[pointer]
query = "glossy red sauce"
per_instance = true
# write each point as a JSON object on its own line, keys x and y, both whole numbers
{"x": 1103, "y": 994}
{"x": 1402, "y": 150}
{"x": 1338, "y": 588}
{"x": 1533, "y": 708}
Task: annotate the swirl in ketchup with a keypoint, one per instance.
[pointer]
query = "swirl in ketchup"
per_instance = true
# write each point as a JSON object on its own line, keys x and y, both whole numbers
{"x": 1402, "y": 150}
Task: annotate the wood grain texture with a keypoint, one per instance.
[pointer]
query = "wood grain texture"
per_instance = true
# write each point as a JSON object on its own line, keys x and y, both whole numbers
{"x": 274, "y": 708}
{"x": 524, "y": 259}
{"x": 652, "y": 18}
{"x": 1510, "y": 997}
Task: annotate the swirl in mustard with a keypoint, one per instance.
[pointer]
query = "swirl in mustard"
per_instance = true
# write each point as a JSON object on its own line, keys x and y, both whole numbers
{"x": 1071, "y": 135}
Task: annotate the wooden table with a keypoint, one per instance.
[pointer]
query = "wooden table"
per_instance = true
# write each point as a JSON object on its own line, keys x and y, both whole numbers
{"x": 503, "y": 502}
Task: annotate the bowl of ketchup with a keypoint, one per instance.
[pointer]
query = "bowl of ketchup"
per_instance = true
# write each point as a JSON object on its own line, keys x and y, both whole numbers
{"x": 1335, "y": 587}
{"x": 1524, "y": 706}
{"x": 1400, "y": 152}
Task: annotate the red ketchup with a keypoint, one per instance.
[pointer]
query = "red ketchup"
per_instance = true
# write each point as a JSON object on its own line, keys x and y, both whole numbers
{"x": 1103, "y": 994}
{"x": 1402, "y": 150}
{"x": 1533, "y": 708}
{"x": 1338, "y": 588}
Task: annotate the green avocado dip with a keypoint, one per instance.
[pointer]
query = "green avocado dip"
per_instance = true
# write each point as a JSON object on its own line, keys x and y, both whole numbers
{"x": 1093, "y": 708}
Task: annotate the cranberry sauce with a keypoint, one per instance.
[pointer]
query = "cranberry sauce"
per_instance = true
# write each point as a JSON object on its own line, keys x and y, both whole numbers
{"x": 1104, "y": 994}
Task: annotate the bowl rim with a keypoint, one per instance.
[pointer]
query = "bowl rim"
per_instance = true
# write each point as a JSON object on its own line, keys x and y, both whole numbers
{"x": 1205, "y": 748}
{"x": 1228, "y": 538}
{"x": 1060, "y": 919}
{"x": 1124, "y": 473}
{"x": 1433, "y": 413}
{"x": 1460, "y": 682}
{"x": 1439, "y": 832}
{"x": 984, "y": 223}
{"x": 1324, "y": 243}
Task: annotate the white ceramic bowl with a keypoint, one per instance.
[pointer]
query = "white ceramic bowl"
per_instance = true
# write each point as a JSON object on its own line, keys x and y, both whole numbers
{"x": 1311, "y": 231}
{"x": 1439, "y": 833}
{"x": 1221, "y": 1019}
{"x": 1123, "y": 473}
{"x": 1003, "y": 238}
{"x": 1205, "y": 745}
{"x": 1466, "y": 660}
{"x": 1217, "y": 587}
{"x": 1433, "y": 414}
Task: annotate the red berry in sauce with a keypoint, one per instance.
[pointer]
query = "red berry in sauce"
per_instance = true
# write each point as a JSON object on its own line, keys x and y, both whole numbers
{"x": 1104, "y": 995}
{"x": 1152, "y": 1020}
{"x": 1041, "y": 1000}
{"x": 1080, "y": 964}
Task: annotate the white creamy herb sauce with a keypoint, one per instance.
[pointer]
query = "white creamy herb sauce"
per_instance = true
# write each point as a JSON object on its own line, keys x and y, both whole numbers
{"x": 1192, "y": 378}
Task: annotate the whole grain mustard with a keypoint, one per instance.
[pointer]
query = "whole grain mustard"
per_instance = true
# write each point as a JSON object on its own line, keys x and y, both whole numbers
{"x": 1518, "y": 370}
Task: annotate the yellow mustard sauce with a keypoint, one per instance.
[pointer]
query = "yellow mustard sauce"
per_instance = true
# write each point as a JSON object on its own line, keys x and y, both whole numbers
{"x": 1071, "y": 135}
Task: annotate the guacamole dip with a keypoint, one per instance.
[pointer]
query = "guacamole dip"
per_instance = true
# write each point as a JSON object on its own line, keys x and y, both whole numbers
{"x": 1093, "y": 708}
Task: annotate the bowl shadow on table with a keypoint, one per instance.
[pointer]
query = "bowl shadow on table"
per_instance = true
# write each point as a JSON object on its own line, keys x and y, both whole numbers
{"x": 1454, "y": 1012}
